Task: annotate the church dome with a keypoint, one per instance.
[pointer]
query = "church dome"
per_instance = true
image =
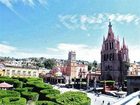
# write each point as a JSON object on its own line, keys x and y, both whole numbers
{"x": 56, "y": 71}
{"x": 59, "y": 73}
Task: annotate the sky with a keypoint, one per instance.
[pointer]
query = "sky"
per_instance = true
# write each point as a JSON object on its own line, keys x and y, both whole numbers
{"x": 52, "y": 28}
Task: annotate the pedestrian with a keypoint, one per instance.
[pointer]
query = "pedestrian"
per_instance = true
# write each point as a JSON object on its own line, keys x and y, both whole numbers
{"x": 108, "y": 103}
{"x": 103, "y": 102}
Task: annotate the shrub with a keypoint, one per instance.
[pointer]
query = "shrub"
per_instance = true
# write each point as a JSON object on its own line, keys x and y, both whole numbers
{"x": 30, "y": 95}
{"x": 52, "y": 97}
{"x": 32, "y": 83}
{"x": 50, "y": 91}
{"x": 73, "y": 98}
{"x": 40, "y": 86}
{"x": 9, "y": 93}
{"x": 21, "y": 79}
{"x": 6, "y": 77}
{"x": 29, "y": 89}
{"x": 21, "y": 89}
{"x": 46, "y": 103}
{"x": 0, "y": 101}
{"x": 14, "y": 101}
{"x": 49, "y": 94}
{"x": 18, "y": 84}
{"x": 35, "y": 79}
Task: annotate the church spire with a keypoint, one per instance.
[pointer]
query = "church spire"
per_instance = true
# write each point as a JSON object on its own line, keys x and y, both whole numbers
{"x": 103, "y": 38}
{"x": 110, "y": 32}
{"x": 110, "y": 25}
{"x": 124, "y": 46}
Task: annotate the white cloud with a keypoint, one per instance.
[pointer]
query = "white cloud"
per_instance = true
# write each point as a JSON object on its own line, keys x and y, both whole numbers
{"x": 83, "y": 52}
{"x": 10, "y": 3}
{"x": 85, "y": 22}
{"x": 134, "y": 53}
{"x": 5, "y": 49}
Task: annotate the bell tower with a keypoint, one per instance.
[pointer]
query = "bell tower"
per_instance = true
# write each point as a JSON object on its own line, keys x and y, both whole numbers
{"x": 71, "y": 67}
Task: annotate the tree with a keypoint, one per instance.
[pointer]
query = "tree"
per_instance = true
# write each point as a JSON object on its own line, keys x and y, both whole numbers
{"x": 49, "y": 63}
{"x": 89, "y": 66}
{"x": 39, "y": 64}
{"x": 92, "y": 66}
{"x": 95, "y": 64}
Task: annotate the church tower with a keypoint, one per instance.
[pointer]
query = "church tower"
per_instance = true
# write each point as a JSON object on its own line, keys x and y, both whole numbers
{"x": 112, "y": 56}
{"x": 71, "y": 67}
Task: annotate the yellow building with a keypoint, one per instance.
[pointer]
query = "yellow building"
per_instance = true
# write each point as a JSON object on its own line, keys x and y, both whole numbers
{"x": 20, "y": 72}
{"x": 2, "y": 71}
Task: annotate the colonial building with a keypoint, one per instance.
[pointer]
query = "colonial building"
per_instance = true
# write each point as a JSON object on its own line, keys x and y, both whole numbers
{"x": 114, "y": 59}
{"x": 134, "y": 69}
{"x": 6, "y": 70}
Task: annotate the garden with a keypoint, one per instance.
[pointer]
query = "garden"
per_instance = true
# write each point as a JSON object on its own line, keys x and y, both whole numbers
{"x": 35, "y": 91}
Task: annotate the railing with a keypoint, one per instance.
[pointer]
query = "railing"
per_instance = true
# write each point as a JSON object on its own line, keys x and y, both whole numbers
{"x": 131, "y": 99}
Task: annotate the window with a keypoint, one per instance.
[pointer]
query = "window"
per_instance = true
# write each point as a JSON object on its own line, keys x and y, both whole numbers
{"x": 18, "y": 72}
{"x": 8, "y": 72}
{"x": 110, "y": 46}
{"x": 106, "y": 46}
{"x": 113, "y": 56}
{"x": 110, "y": 58}
{"x": 104, "y": 57}
{"x": 107, "y": 56}
{"x": 13, "y": 72}
{"x": 29, "y": 73}
{"x": 24, "y": 73}
{"x": 34, "y": 73}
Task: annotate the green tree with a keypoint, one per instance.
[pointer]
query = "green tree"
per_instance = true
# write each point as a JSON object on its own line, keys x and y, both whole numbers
{"x": 89, "y": 66}
{"x": 92, "y": 66}
{"x": 95, "y": 64}
{"x": 49, "y": 63}
{"x": 39, "y": 64}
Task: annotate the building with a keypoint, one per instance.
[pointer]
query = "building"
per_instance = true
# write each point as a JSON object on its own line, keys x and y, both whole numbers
{"x": 73, "y": 68}
{"x": 133, "y": 78}
{"x": 15, "y": 71}
{"x": 114, "y": 59}
{"x": 65, "y": 71}
{"x": 133, "y": 84}
{"x": 134, "y": 69}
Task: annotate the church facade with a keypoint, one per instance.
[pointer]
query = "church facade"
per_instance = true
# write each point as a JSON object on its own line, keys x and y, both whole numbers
{"x": 114, "y": 58}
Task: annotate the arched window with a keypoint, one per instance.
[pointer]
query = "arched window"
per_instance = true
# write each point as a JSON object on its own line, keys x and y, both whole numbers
{"x": 106, "y": 46}
{"x": 110, "y": 57}
{"x": 107, "y": 56}
{"x": 104, "y": 57}
{"x": 113, "y": 56}
{"x": 110, "y": 44}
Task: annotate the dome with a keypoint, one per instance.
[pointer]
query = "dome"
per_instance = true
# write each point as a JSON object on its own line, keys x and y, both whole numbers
{"x": 59, "y": 73}
{"x": 56, "y": 71}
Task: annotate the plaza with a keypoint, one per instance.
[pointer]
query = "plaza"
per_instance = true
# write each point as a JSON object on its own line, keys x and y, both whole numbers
{"x": 102, "y": 99}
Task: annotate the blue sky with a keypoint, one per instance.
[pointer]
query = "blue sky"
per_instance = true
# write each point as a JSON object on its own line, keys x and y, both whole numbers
{"x": 51, "y": 28}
